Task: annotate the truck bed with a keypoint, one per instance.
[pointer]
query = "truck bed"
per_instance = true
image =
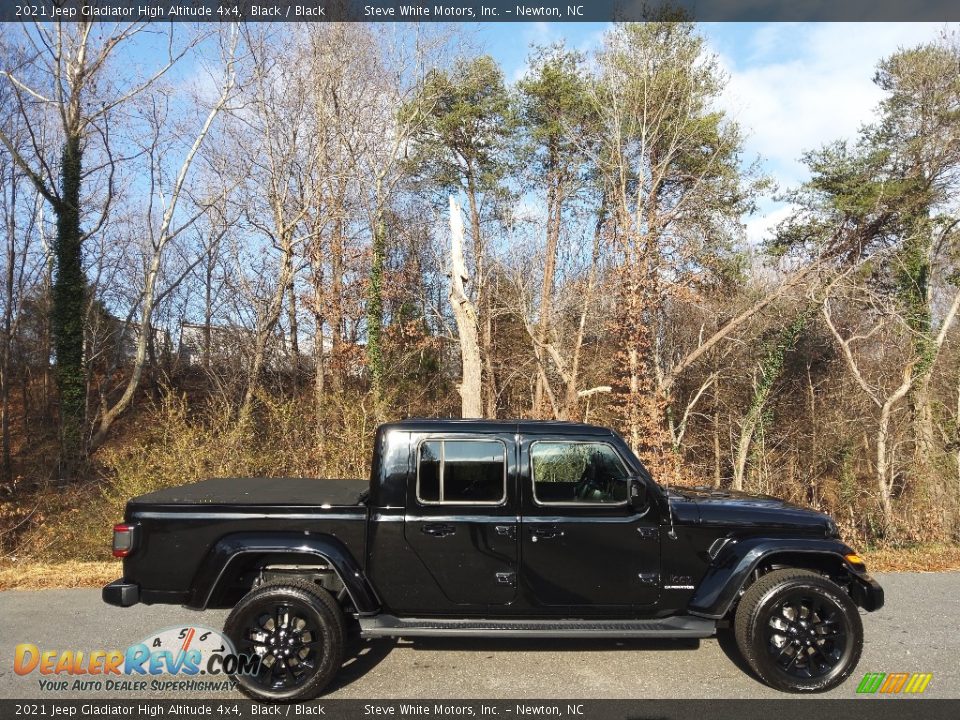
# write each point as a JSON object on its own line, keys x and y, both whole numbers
{"x": 181, "y": 526}
{"x": 279, "y": 492}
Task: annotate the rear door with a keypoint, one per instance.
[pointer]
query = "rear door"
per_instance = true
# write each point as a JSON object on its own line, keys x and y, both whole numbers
{"x": 583, "y": 544}
{"x": 461, "y": 519}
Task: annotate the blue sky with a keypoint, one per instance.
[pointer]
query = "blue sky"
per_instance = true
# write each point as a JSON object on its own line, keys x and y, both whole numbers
{"x": 793, "y": 86}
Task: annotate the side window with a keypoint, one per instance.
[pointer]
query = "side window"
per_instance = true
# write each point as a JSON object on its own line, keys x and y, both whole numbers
{"x": 428, "y": 477}
{"x": 576, "y": 472}
{"x": 462, "y": 471}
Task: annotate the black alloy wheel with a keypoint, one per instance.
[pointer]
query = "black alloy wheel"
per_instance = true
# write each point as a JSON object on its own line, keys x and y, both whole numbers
{"x": 298, "y": 631}
{"x": 806, "y": 635}
{"x": 799, "y": 631}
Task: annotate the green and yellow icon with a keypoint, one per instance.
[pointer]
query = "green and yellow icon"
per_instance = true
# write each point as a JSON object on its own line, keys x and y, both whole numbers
{"x": 894, "y": 683}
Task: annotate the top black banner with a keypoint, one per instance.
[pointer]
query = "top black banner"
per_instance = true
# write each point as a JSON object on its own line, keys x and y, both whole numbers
{"x": 486, "y": 11}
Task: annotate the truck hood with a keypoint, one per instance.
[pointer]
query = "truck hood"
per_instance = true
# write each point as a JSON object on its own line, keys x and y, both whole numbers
{"x": 731, "y": 508}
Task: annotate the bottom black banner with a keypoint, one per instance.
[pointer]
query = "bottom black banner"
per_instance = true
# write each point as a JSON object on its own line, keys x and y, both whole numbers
{"x": 785, "y": 709}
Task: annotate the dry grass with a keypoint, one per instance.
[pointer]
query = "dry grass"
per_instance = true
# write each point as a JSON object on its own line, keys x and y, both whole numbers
{"x": 928, "y": 557}
{"x": 28, "y": 575}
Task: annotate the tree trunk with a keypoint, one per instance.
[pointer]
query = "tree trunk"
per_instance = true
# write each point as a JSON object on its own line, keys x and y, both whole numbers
{"x": 9, "y": 290}
{"x": 266, "y": 324}
{"x": 917, "y": 293}
{"x": 334, "y": 309}
{"x": 483, "y": 308}
{"x": 884, "y": 481}
{"x": 633, "y": 427}
{"x": 814, "y": 444}
{"x": 375, "y": 312}
{"x": 921, "y": 410}
{"x": 640, "y": 396}
{"x": 69, "y": 287}
{"x": 7, "y": 473}
{"x": 46, "y": 340}
{"x": 554, "y": 214}
{"x": 466, "y": 317}
{"x": 747, "y": 429}
{"x": 207, "y": 311}
{"x": 491, "y": 384}
{"x": 253, "y": 380}
{"x": 717, "y": 474}
{"x": 294, "y": 342}
{"x": 25, "y": 399}
{"x": 571, "y": 396}
{"x": 319, "y": 385}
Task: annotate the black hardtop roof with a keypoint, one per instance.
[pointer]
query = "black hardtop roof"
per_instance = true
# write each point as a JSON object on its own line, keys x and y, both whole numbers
{"x": 557, "y": 427}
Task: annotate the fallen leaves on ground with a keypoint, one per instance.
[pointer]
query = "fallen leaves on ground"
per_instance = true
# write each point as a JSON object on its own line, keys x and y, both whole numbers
{"x": 29, "y": 575}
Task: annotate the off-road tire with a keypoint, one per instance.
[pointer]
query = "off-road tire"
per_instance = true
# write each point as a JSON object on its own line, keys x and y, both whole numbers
{"x": 306, "y": 602}
{"x": 761, "y": 612}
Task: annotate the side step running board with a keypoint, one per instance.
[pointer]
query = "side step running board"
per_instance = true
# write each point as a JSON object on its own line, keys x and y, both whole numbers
{"x": 678, "y": 627}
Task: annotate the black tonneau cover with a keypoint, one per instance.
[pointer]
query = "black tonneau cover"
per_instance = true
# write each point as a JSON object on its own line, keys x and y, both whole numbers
{"x": 259, "y": 491}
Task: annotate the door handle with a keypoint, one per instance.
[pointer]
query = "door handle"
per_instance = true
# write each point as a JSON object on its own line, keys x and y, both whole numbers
{"x": 438, "y": 529}
{"x": 545, "y": 533}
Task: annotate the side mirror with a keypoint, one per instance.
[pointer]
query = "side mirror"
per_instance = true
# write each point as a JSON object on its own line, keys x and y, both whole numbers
{"x": 638, "y": 493}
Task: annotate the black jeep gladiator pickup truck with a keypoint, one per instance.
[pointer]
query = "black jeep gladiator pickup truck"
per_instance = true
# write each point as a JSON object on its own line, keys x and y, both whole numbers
{"x": 495, "y": 528}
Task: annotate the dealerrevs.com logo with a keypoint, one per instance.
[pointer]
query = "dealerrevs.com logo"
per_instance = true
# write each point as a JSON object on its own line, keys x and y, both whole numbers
{"x": 186, "y": 652}
{"x": 894, "y": 683}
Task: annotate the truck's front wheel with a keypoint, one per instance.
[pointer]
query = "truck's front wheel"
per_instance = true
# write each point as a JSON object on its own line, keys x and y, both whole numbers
{"x": 298, "y": 631}
{"x": 799, "y": 631}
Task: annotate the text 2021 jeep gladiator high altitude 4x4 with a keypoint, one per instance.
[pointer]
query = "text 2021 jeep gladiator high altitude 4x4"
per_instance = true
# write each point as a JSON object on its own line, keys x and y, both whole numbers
{"x": 508, "y": 529}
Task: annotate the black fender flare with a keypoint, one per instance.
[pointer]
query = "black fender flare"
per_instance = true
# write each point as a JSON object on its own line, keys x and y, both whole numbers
{"x": 229, "y": 555}
{"x": 736, "y": 560}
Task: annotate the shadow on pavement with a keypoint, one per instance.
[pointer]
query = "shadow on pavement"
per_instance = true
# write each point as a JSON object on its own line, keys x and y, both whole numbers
{"x": 549, "y": 644}
{"x": 362, "y": 657}
{"x": 728, "y": 644}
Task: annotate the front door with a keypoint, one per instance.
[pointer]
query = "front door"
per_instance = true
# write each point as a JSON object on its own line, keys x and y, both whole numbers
{"x": 583, "y": 544}
{"x": 460, "y": 520}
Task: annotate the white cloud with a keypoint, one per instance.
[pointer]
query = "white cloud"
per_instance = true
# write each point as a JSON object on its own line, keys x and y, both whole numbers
{"x": 520, "y": 73}
{"x": 796, "y": 87}
{"x": 537, "y": 33}
{"x": 540, "y": 33}
{"x": 758, "y": 227}
{"x": 530, "y": 209}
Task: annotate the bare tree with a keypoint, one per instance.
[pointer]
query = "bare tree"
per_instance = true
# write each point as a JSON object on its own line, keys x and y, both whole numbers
{"x": 169, "y": 227}
{"x": 671, "y": 165}
{"x": 66, "y": 70}
{"x": 387, "y": 94}
{"x": 282, "y": 175}
{"x": 558, "y": 343}
{"x": 880, "y": 319}
{"x": 466, "y": 317}
{"x": 22, "y": 266}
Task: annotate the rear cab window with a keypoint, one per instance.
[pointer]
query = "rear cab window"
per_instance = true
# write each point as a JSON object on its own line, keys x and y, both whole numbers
{"x": 461, "y": 472}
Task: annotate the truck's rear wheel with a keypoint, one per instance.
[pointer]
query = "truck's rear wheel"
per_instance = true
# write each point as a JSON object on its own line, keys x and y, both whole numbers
{"x": 799, "y": 631}
{"x": 298, "y": 630}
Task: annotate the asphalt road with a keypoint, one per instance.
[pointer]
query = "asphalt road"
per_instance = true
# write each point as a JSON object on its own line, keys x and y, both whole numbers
{"x": 917, "y": 631}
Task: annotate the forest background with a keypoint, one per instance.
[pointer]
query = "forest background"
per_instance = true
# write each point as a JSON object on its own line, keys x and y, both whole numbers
{"x": 234, "y": 250}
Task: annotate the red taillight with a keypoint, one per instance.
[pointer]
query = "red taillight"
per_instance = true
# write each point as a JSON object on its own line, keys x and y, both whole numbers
{"x": 123, "y": 538}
